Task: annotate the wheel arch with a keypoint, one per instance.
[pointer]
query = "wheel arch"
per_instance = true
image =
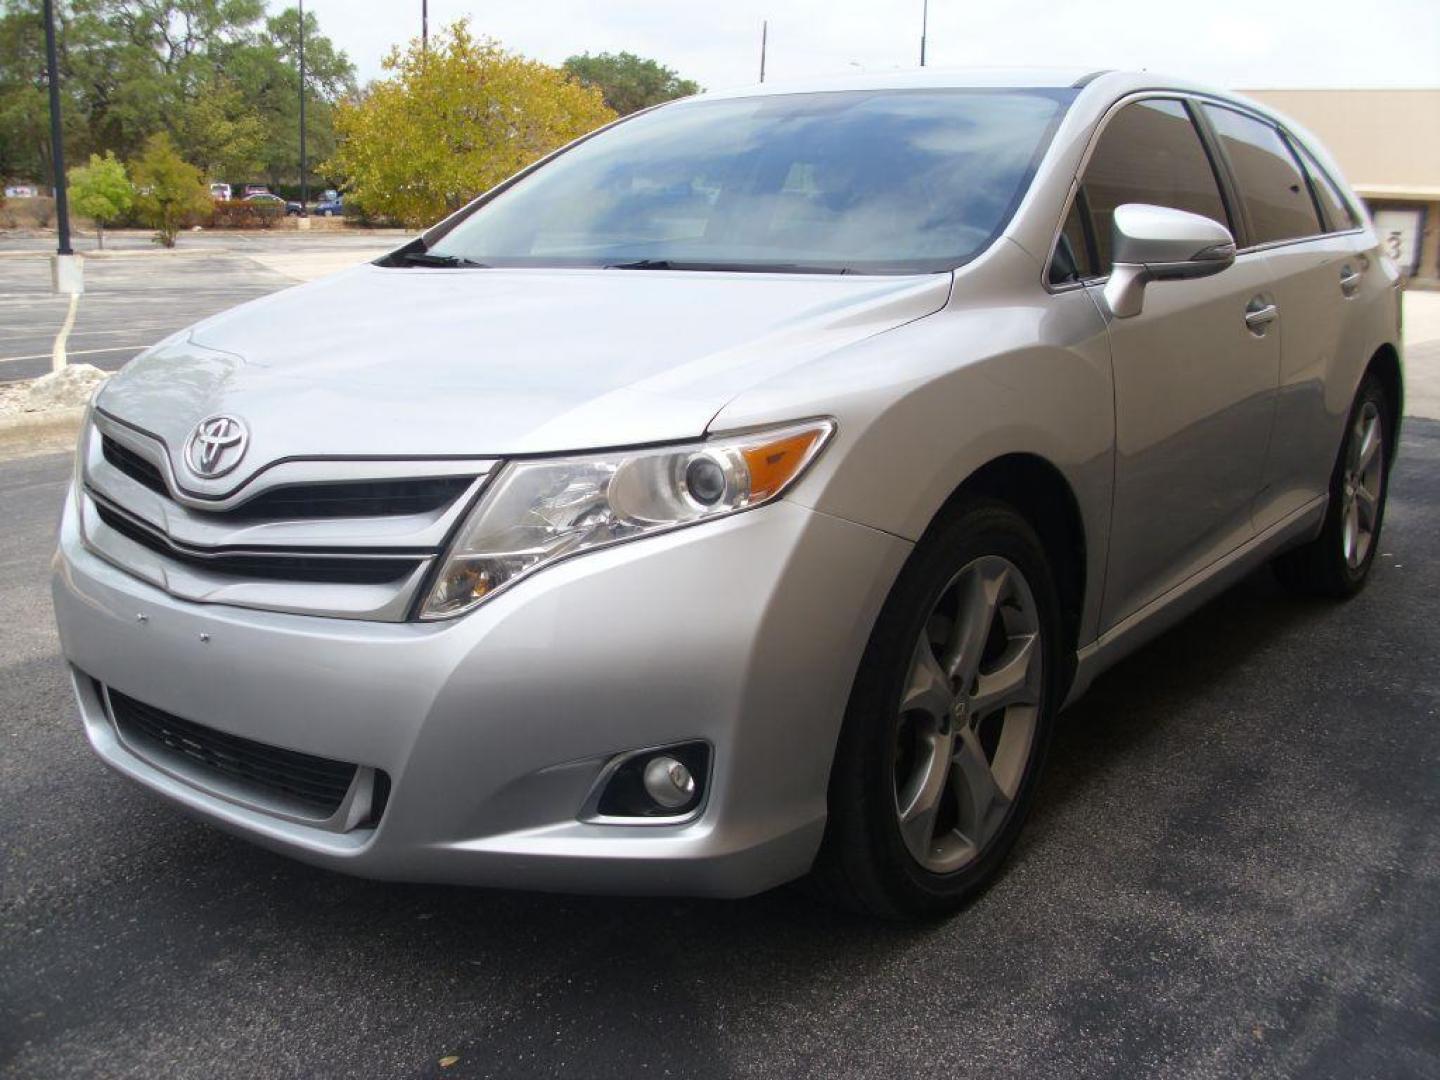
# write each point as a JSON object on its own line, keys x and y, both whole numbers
{"x": 1385, "y": 366}
{"x": 1041, "y": 494}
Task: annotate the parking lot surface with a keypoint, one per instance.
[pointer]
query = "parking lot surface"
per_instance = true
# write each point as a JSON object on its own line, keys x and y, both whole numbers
{"x": 1234, "y": 869}
{"x": 137, "y": 295}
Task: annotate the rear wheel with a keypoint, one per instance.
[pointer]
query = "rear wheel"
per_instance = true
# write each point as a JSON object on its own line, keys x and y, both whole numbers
{"x": 1337, "y": 562}
{"x": 948, "y": 721}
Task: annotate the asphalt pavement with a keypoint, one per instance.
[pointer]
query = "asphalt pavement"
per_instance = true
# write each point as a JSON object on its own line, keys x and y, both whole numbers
{"x": 1234, "y": 869}
{"x": 135, "y": 295}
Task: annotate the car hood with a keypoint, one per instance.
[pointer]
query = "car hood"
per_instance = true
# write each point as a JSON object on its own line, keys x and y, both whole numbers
{"x": 376, "y": 362}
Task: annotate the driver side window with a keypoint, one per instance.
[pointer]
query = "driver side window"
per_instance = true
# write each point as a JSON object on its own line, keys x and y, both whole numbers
{"x": 1150, "y": 153}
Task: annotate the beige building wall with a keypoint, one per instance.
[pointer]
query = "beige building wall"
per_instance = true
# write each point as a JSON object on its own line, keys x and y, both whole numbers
{"x": 1381, "y": 138}
{"x": 1387, "y": 143}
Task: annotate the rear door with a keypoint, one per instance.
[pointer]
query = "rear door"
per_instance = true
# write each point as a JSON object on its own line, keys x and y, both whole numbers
{"x": 1310, "y": 238}
{"x": 1194, "y": 381}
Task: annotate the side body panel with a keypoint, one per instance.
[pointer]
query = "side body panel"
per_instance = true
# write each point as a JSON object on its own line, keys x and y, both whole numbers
{"x": 1328, "y": 339}
{"x": 1005, "y": 368}
{"x": 1318, "y": 351}
{"x": 1194, "y": 402}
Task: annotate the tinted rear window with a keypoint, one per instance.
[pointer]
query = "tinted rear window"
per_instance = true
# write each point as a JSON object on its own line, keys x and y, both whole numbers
{"x": 1276, "y": 196}
{"x": 1338, "y": 215}
{"x": 872, "y": 181}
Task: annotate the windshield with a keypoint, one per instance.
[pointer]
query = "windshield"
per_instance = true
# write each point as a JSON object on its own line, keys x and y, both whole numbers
{"x": 894, "y": 181}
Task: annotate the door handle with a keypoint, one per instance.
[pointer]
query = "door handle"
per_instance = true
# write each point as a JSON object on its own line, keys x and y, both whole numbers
{"x": 1259, "y": 315}
{"x": 1349, "y": 280}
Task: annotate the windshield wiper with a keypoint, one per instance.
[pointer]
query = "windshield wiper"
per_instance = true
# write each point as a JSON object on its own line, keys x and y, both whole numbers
{"x": 426, "y": 258}
{"x": 736, "y": 267}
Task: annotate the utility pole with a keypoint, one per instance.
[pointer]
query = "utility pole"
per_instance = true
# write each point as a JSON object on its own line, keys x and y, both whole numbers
{"x": 67, "y": 270}
{"x": 424, "y": 26}
{"x": 924, "y": 27}
{"x": 304, "y": 187}
{"x": 764, "y": 37}
{"x": 57, "y": 137}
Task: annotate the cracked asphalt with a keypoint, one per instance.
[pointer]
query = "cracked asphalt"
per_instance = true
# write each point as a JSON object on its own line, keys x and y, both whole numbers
{"x": 1234, "y": 869}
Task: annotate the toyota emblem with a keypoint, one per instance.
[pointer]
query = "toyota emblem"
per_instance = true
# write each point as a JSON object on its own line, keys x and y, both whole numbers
{"x": 216, "y": 446}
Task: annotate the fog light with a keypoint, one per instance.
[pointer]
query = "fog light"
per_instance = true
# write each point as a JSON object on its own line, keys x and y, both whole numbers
{"x": 669, "y": 782}
{"x": 660, "y": 783}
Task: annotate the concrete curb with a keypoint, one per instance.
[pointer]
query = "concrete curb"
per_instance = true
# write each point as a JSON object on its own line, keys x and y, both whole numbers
{"x": 123, "y": 253}
{"x": 41, "y": 432}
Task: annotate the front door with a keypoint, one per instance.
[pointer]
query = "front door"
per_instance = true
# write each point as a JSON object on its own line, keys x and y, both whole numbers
{"x": 1195, "y": 372}
{"x": 1194, "y": 406}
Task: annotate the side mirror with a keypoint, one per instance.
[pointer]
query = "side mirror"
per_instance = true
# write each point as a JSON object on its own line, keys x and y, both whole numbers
{"x": 1156, "y": 243}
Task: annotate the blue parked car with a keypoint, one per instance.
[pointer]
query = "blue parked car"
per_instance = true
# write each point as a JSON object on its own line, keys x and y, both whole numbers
{"x": 330, "y": 205}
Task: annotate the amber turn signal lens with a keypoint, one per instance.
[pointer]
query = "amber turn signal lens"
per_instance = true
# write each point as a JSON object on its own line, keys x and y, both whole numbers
{"x": 774, "y": 464}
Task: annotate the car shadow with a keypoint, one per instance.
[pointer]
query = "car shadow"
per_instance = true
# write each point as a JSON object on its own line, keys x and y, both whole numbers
{"x": 1130, "y": 705}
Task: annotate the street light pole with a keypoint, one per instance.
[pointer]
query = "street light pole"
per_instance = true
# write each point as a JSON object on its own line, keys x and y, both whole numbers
{"x": 424, "y": 26}
{"x": 57, "y": 138}
{"x": 304, "y": 188}
{"x": 924, "y": 27}
{"x": 764, "y": 40}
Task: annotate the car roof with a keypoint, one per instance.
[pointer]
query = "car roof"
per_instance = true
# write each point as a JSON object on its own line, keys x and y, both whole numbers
{"x": 1102, "y": 83}
{"x": 920, "y": 79}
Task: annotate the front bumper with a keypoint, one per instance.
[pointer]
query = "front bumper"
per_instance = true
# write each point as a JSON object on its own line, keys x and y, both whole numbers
{"x": 493, "y": 728}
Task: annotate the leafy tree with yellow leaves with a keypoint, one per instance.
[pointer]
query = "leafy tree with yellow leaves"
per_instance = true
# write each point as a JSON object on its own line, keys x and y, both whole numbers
{"x": 451, "y": 123}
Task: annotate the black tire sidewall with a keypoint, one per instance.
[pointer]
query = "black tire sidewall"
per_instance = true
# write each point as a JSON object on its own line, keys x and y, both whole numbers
{"x": 970, "y": 532}
{"x": 1351, "y": 579}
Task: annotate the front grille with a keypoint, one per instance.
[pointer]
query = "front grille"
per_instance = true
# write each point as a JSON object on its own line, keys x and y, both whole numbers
{"x": 356, "y": 498}
{"x": 350, "y": 570}
{"x": 295, "y": 502}
{"x": 133, "y": 465}
{"x": 315, "y": 782}
{"x": 345, "y": 538}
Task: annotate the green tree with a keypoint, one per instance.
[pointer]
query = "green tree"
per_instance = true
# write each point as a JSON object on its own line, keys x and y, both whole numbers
{"x": 218, "y": 131}
{"x": 268, "y": 76}
{"x": 452, "y": 122}
{"x": 101, "y": 191}
{"x": 169, "y": 192}
{"x": 206, "y": 71}
{"x": 24, "y": 105}
{"x": 629, "y": 82}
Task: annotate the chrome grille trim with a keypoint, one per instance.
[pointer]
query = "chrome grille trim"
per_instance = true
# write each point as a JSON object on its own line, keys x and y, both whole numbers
{"x": 172, "y": 536}
{"x": 388, "y": 602}
{"x": 134, "y": 529}
{"x": 280, "y": 474}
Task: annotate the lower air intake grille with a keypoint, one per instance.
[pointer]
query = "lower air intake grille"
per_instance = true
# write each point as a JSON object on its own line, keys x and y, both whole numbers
{"x": 315, "y": 782}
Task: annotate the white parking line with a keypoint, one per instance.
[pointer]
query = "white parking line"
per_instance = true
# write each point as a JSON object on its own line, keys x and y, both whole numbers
{"x": 57, "y": 353}
{"x": 77, "y": 352}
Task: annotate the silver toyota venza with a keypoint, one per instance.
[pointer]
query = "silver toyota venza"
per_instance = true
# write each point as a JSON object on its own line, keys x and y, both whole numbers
{"x": 737, "y": 494}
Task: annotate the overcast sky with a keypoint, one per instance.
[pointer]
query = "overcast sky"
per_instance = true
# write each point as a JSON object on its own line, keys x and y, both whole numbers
{"x": 1250, "y": 44}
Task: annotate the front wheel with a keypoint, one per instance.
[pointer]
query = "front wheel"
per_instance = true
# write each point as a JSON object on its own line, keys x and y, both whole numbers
{"x": 1337, "y": 562}
{"x": 948, "y": 721}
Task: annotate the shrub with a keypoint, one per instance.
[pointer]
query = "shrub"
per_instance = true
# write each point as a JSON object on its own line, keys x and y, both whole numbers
{"x": 35, "y": 213}
{"x": 170, "y": 193}
{"x": 239, "y": 214}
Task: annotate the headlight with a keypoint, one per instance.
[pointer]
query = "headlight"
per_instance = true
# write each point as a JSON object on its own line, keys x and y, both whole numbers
{"x": 536, "y": 512}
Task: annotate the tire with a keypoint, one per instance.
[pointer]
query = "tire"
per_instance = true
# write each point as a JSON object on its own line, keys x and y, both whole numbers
{"x": 879, "y": 856}
{"x": 1337, "y": 563}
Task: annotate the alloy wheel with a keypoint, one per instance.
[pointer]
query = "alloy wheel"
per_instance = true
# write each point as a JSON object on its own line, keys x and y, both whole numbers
{"x": 1361, "y": 485}
{"x": 968, "y": 714}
